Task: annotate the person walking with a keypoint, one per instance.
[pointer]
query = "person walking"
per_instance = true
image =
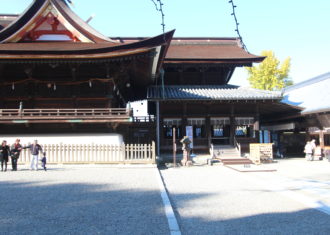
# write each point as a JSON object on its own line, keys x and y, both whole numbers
{"x": 313, "y": 144}
{"x": 308, "y": 151}
{"x": 4, "y": 153}
{"x": 35, "y": 149}
{"x": 15, "y": 151}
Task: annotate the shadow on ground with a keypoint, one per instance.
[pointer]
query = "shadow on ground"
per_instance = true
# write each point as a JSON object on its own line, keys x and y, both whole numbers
{"x": 34, "y": 208}
{"x": 300, "y": 222}
{"x": 84, "y": 208}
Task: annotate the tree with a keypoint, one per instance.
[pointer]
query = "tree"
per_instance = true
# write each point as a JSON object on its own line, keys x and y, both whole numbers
{"x": 269, "y": 74}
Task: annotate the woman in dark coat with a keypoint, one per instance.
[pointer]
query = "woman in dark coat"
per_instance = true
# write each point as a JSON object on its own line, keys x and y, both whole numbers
{"x": 4, "y": 153}
{"x": 15, "y": 151}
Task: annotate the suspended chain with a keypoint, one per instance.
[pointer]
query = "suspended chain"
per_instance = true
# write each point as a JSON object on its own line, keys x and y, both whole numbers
{"x": 237, "y": 24}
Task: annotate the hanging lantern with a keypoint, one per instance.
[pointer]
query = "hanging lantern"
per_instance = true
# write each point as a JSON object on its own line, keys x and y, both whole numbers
{"x": 49, "y": 85}
{"x": 13, "y": 86}
{"x": 54, "y": 87}
{"x": 90, "y": 83}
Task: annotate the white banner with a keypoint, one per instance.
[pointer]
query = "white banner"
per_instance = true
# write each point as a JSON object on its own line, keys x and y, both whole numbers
{"x": 190, "y": 134}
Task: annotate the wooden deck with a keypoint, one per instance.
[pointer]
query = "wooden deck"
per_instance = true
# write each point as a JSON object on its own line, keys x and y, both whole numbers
{"x": 65, "y": 115}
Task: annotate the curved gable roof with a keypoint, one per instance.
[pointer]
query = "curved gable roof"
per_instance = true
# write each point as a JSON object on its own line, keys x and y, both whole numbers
{"x": 26, "y": 20}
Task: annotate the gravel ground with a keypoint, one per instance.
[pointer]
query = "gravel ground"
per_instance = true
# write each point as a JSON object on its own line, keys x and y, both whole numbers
{"x": 81, "y": 200}
{"x": 218, "y": 200}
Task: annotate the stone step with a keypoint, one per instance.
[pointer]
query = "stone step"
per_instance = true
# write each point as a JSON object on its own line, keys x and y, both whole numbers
{"x": 236, "y": 161}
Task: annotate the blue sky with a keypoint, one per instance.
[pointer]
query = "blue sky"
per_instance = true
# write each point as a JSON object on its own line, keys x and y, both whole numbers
{"x": 294, "y": 28}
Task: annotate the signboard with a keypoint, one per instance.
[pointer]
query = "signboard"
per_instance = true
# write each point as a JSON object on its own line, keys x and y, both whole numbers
{"x": 190, "y": 134}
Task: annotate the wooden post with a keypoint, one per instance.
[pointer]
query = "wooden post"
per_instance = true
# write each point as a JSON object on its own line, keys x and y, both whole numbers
{"x": 174, "y": 147}
{"x": 158, "y": 128}
{"x": 208, "y": 131}
{"x": 256, "y": 126}
{"x": 153, "y": 152}
{"x": 232, "y": 126}
{"x": 321, "y": 138}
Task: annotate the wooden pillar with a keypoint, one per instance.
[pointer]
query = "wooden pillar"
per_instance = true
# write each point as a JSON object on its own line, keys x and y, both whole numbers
{"x": 321, "y": 138}
{"x": 208, "y": 127}
{"x": 202, "y": 74}
{"x": 208, "y": 130}
{"x": 256, "y": 125}
{"x": 184, "y": 119}
{"x": 1, "y": 87}
{"x": 180, "y": 70}
{"x": 158, "y": 128}
{"x": 232, "y": 125}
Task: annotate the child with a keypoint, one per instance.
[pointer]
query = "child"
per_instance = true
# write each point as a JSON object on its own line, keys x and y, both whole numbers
{"x": 44, "y": 161}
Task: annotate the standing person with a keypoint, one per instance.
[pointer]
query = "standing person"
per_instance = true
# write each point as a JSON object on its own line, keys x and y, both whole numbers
{"x": 35, "y": 148}
{"x": 44, "y": 161}
{"x": 308, "y": 151}
{"x": 15, "y": 151}
{"x": 313, "y": 148}
{"x": 4, "y": 153}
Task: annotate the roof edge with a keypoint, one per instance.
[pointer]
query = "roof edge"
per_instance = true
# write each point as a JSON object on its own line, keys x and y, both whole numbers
{"x": 307, "y": 82}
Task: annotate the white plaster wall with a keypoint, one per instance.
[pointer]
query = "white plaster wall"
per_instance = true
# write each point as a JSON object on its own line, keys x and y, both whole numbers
{"x": 111, "y": 138}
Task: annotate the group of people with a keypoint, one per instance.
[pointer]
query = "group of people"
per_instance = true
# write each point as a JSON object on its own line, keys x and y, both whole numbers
{"x": 311, "y": 151}
{"x": 14, "y": 152}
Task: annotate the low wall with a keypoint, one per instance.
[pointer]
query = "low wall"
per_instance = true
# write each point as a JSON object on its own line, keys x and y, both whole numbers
{"x": 95, "y": 153}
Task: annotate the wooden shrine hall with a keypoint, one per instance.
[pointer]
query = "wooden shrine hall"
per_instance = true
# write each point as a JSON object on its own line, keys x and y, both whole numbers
{"x": 59, "y": 75}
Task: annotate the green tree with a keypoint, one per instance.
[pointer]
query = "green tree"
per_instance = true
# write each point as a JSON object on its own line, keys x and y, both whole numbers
{"x": 270, "y": 74}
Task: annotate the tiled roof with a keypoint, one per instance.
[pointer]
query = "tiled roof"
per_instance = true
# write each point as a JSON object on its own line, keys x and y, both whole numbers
{"x": 214, "y": 50}
{"x": 211, "y": 92}
{"x": 183, "y": 49}
{"x": 313, "y": 95}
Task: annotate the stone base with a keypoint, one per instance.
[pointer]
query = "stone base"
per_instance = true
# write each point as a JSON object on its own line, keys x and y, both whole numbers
{"x": 185, "y": 162}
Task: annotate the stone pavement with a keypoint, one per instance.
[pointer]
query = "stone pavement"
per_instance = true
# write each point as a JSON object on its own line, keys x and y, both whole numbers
{"x": 219, "y": 200}
{"x": 103, "y": 199}
{"x": 308, "y": 180}
{"x": 82, "y": 200}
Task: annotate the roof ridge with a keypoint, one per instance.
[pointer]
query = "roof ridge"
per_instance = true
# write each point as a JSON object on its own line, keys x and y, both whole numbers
{"x": 198, "y": 86}
{"x": 210, "y": 92}
{"x": 307, "y": 82}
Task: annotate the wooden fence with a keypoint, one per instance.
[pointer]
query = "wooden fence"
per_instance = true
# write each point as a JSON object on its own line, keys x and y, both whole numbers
{"x": 93, "y": 153}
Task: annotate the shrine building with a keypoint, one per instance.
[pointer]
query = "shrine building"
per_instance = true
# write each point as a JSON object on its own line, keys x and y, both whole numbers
{"x": 59, "y": 75}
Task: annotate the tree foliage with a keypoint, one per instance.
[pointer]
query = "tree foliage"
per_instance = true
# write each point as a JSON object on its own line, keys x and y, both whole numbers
{"x": 270, "y": 74}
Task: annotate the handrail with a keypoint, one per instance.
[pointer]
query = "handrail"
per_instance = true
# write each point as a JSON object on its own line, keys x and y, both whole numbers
{"x": 143, "y": 119}
{"x": 212, "y": 150}
{"x": 237, "y": 145}
{"x": 64, "y": 113}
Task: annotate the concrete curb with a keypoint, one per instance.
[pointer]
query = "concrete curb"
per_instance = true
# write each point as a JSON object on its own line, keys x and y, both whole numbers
{"x": 171, "y": 219}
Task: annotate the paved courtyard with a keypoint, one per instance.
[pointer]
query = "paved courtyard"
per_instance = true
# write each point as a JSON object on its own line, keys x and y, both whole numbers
{"x": 81, "y": 200}
{"x": 103, "y": 199}
{"x": 217, "y": 200}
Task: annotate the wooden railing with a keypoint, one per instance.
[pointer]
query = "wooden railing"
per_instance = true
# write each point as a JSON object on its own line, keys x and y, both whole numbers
{"x": 149, "y": 118}
{"x": 48, "y": 114}
{"x": 237, "y": 145}
{"x": 92, "y": 153}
